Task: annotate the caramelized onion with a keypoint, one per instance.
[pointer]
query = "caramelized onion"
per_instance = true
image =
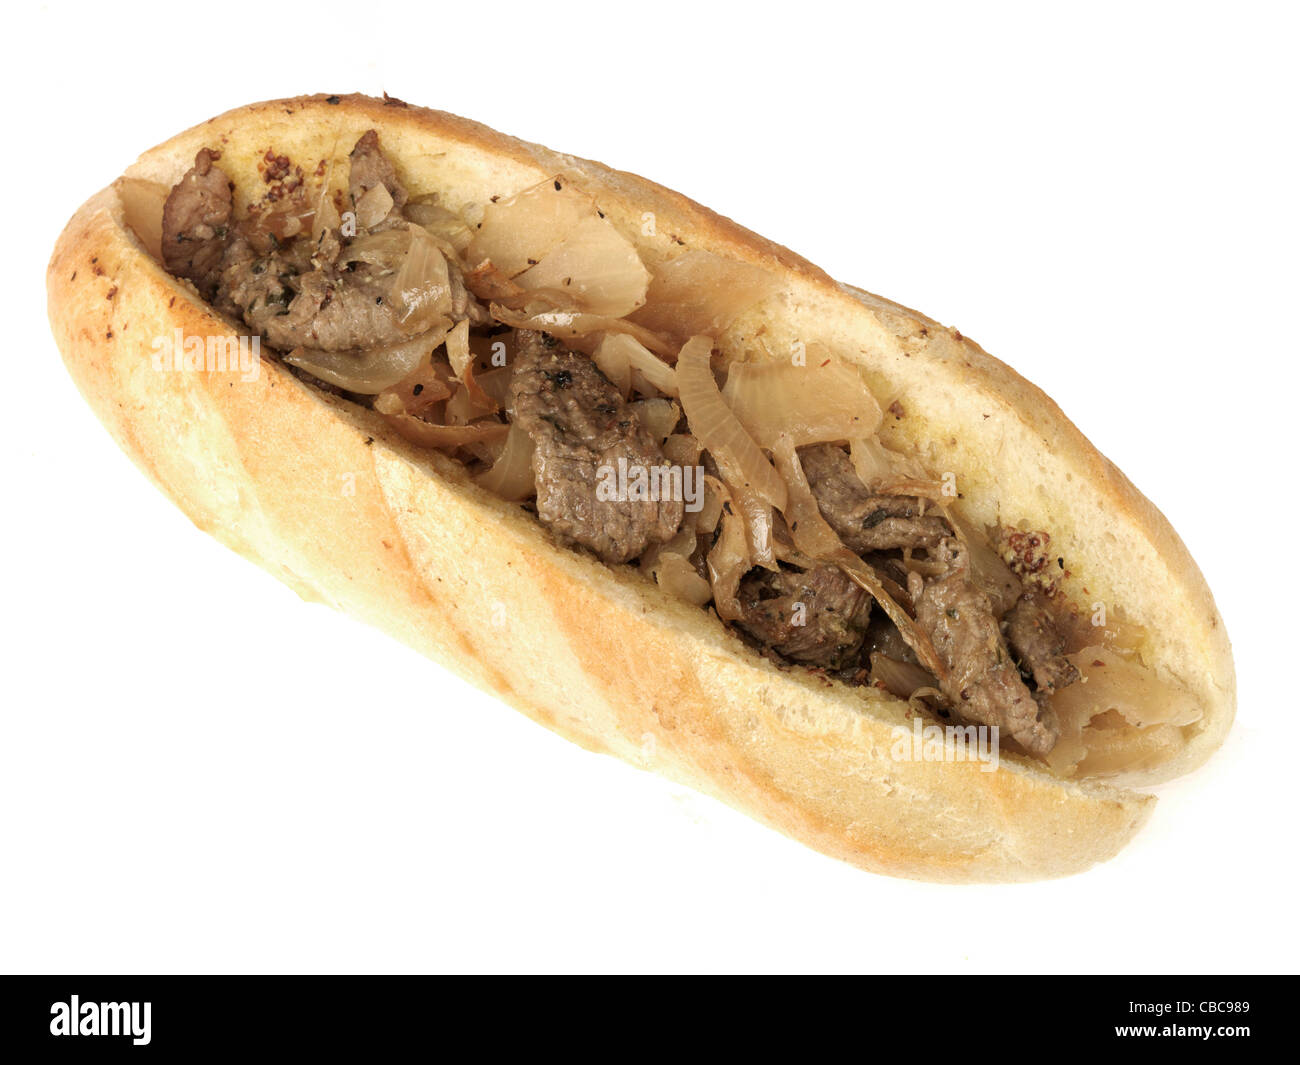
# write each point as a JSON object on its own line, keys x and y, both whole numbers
{"x": 811, "y": 532}
{"x": 659, "y": 416}
{"x": 1119, "y": 716}
{"x": 326, "y": 214}
{"x": 682, "y": 449}
{"x": 371, "y": 371}
{"x": 866, "y": 578}
{"x": 699, "y": 292}
{"x": 728, "y": 561}
{"x": 495, "y": 384}
{"x": 623, "y": 360}
{"x": 468, "y": 405}
{"x": 462, "y": 365}
{"x": 1108, "y": 681}
{"x": 821, "y": 401}
{"x": 719, "y": 431}
{"x": 425, "y": 386}
{"x": 511, "y": 476}
{"x": 901, "y": 679}
{"x": 427, "y": 434}
{"x": 568, "y": 324}
{"x": 374, "y": 206}
{"x": 458, "y": 351}
{"x": 488, "y": 283}
{"x": 518, "y": 232}
{"x": 386, "y": 250}
{"x": 421, "y": 291}
{"x": 596, "y": 266}
{"x": 440, "y": 222}
{"x": 757, "y": 515}
{"x": 675, "y": 575}
{"x": 877, "y": 465}
{"x": 270, "y": 223}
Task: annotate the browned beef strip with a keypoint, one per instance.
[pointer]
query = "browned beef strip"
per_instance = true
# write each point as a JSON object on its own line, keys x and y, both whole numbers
{"x": 196, "y": 223}
{"x": 1038, "y": 645}
{"x": 579, "y": 423}
{"x": 983, "y": 683}
{"x": 864, "y": 520}
{"x": 340, "y": 310}
{"x": 301, "y": 295}
{"x": 818, "y": 616}
{"x": 255, "y": 287}
{"x": 370, "y": 167}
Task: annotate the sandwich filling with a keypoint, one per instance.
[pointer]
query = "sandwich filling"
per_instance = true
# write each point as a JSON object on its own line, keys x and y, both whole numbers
{"x": 528, "y": 340}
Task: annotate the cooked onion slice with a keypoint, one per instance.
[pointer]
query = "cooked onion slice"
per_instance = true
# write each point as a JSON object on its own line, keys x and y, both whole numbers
{"x": 682, "y": 449}
{"x": 866, "y": 578}
{"x": 326, "y": 213}
{"x": 659, "y": 416}
{"x": 729, "y": 560}
{"x": 1109, "y": 681}
{"x": 901, "y": 679}
{"x": 675, "y": 574}
{"x": 458, "y": 350}
{"x": 495, "y": 384}
{"x": 596, "y": 265}
{"x": 425, "y": 387}
{"x": 371, "y": 371}
{"x": 706, "y": 519}
{"x": 386, "y": 250}
{"x": 700, "y": 292}
{"x": 461, "y": 358}
{"x": 1112, "y": 752}
{"x": 439, "y": 221}
{"x": 488, "y": 283}
{"x": 518, "y": 232}
{"x": 570, "y": 325}
{"x": 1119, "y": 716}
{"x": 627, "y": 362}
{"x": 718, "y": 429}
{"x": 421, "y": 291}
{"x": 374, "y": 205}
{"x": 511, "y": 476}
{"x": 427, "y": 434}
{"x": 820, "y": 401}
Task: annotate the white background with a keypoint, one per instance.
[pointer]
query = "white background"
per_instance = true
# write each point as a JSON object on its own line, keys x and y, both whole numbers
{"x": 199, "y": 772}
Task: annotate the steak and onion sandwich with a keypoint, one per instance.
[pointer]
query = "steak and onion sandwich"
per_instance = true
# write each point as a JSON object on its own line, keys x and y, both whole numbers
{"x": 659, "y": 483}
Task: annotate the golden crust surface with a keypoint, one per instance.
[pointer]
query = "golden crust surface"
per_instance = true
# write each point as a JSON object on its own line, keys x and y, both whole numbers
{"x": 600, "y": 655}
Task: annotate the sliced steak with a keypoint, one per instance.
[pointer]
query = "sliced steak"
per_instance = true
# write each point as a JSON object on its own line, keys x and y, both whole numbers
{"x": 370, "y": 167}
{"x": 818, "y": 617}
{"x": 339, "y": 311}
{"x": 983, "y": 683}
{"x": 255, "y": 287}
{"x": 304, "y": 295}
{"x": 863, "y": 520}
{"x": 580, "y": 424}
{"x": 196, "y": 223}
{"x": 1038, "y": 644}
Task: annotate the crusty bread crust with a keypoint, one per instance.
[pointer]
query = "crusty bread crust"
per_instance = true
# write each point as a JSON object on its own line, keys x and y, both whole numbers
{"x": 325, "y": 497}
